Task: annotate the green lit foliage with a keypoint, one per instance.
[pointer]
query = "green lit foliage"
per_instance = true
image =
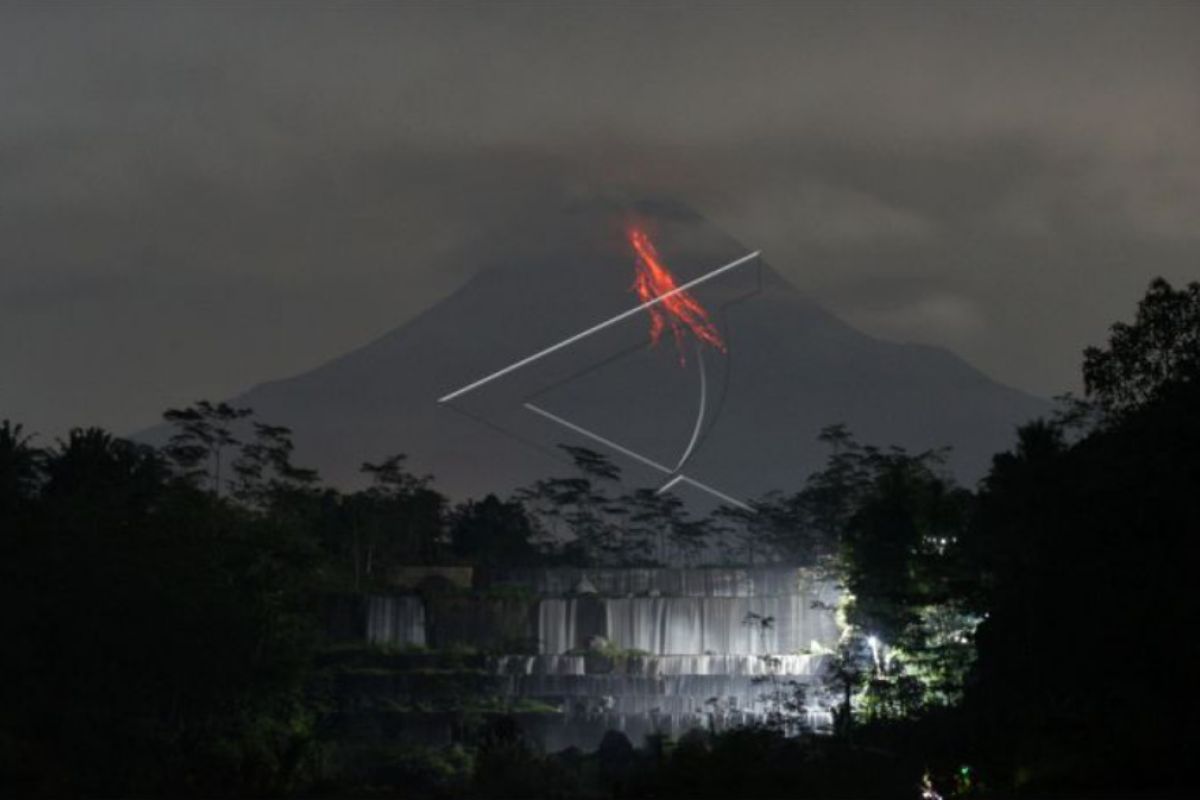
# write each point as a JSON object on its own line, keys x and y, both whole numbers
{"x": 943, "y": 652}
{"x": 845, "y": 672}
{"x": 928, "y": 669}
{"x": 899, "y": 546}
{"x": 893, "y": 523}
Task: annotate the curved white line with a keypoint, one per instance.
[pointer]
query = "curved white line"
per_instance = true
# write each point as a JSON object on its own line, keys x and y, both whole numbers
{"x": 700, "y": 413}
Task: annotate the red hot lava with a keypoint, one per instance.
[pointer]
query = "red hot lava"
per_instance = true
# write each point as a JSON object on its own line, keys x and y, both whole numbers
{"x": 680, "y": 310}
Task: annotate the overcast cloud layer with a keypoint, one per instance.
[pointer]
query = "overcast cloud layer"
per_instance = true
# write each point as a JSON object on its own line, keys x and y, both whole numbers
{"x": 195, "y": 200}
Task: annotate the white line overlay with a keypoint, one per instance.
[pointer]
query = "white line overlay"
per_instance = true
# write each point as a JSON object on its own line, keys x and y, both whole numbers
{"x": 676, "y": 478}
{"x": 570, "y": 340}
{"x": 598, "y": 438}
{"x": 691, "y": 445}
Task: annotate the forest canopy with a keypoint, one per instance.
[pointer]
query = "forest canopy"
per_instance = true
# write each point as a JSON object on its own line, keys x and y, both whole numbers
{"x": 163, "y": 604}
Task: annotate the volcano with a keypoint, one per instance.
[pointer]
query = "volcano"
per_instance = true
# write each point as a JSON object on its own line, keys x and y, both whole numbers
{"x": 788, "y": 368}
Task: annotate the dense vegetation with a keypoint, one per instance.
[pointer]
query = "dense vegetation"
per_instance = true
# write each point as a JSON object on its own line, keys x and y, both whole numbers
{"x": 163, "y": 628}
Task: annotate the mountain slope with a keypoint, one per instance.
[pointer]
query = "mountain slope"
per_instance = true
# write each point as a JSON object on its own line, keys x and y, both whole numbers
{"x": 791, "y": 368}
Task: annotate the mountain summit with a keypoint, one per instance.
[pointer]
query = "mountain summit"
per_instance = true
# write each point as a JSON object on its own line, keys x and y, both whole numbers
{"x": 789, "y": 369}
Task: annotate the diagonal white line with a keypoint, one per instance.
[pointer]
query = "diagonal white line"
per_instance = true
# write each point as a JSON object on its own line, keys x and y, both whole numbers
{"x": 597, "y": 328}
{"x": 705, "y": 488}
{"x": 678, "y": 478}
{"x": 598, "y": 438}
{"x": 666, "y": 487}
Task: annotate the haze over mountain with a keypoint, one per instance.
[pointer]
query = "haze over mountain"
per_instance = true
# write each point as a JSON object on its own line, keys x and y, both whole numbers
{"x": 790, "y": 369}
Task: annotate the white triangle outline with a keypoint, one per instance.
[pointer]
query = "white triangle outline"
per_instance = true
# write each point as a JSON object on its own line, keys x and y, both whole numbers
{"x": 675, "y": 476}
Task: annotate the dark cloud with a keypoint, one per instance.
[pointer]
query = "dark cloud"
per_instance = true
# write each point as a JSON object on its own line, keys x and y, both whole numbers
{"x": 195, "y": 199}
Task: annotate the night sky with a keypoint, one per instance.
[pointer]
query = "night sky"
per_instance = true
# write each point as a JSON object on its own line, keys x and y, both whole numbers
{"x": 194, "y": 200}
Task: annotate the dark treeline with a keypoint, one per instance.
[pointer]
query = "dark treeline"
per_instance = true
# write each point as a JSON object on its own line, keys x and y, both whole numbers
{"x": 161, "y": 609}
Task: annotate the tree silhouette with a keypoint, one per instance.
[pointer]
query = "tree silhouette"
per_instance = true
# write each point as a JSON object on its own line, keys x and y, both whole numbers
{"x": 1161, "y": 347}
{"x": 583, "y": 507}
{"x": 203, "y": 433}
{"x": 492, "y": 531}
{"x": 20, "y": 467}
{"x": 402, "y": 518}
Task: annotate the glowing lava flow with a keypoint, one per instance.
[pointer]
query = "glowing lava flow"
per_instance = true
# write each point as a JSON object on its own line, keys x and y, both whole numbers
{"x": 680, "y": 311}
